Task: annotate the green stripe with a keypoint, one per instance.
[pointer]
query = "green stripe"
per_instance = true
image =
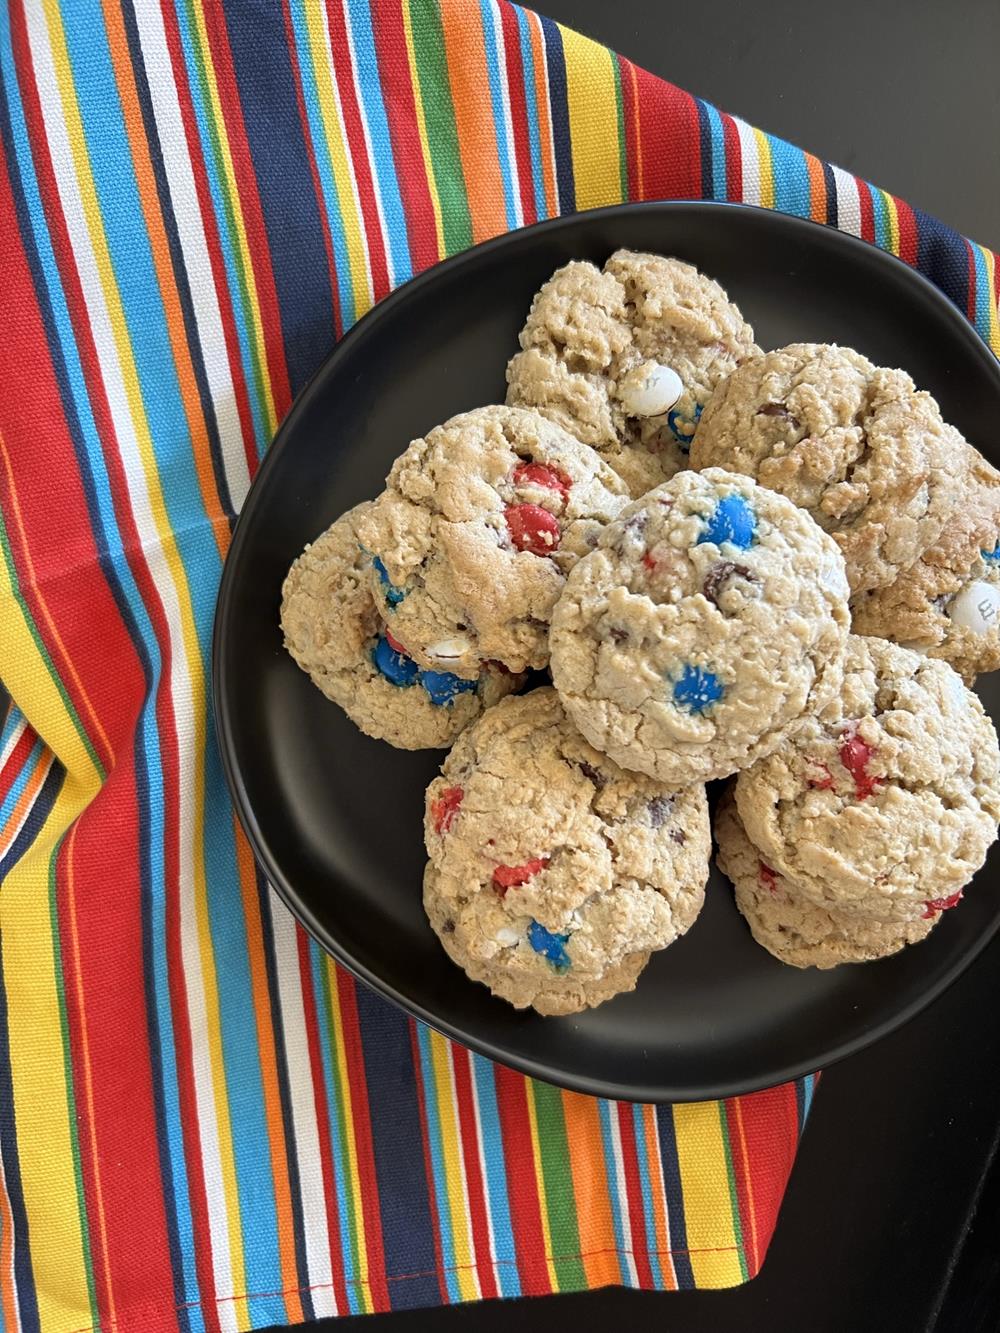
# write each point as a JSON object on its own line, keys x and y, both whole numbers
{"x": 620, "y": 111}
{"x": 43, "y": 652}
{"x": 560, "y": 1202}
{"x": 88, "y": 1263}
{"x": 439, "y": 116}
{"x": 734, "y": 1200}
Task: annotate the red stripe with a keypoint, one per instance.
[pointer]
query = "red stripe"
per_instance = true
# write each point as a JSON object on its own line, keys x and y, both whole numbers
{"x": 322, "y": 1122}
{"x": 461, "y": 1063}
{"x": 400, "y": 107}
{"x": 522, "y": 1183}
{"x": 633, "y": 1188}
{"x": 626, "y": 76}
{"x": 253, "y": 217}
{"x": 362, "y": 1124}
{"x": 211, "y": 230}
{"x": 734, "y": 160}
{"x": 675, "y": 174}
{"x": 972, "y": 283}
{"x": 518, "y": 112}
{"x": 428, "y": 1164}
{"x": 771, "y": 1131}
{"x": 908, "y": 241}
{"x": 354, "y": 125}
{"x": 18, "y": 758}
{"x": 867, "y": 210}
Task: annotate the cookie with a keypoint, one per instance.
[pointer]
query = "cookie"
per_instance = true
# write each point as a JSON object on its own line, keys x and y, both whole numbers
{"x": 553, "y": 873}
{"x": 473, "y": 536}
{"x": 711, "y": 617}
{"x": 793, "y": 929}
{"x": 948, "y": 603}
{"x": 859, "y": 447}
{"x": 335, "y": 634}
{"x": 888, "y": 803}
{"x": 625, "y": 358}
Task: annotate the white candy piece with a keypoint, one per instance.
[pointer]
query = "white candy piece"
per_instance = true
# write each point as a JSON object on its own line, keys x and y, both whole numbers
{"x": 505, "y": 936}
{"x": 649, "y": 390}
{"x": 449, "y": 650}
{"x": 976, "y": 607}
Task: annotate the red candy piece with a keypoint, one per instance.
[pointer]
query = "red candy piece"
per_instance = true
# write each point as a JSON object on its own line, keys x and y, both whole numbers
{"x": 532, "y": 528}
{"x": 539, "y": 474}
{"x": 935, "y": 905}
{"x": 826, "y": 783}
{"x": 768, "y": 878}
{"x": 510, "y": 877}
{"x": 856, "y": 754}
{"x": 394, "y": 643}
{"x": 445, "y": 808}
{"x": 648, "y": 561}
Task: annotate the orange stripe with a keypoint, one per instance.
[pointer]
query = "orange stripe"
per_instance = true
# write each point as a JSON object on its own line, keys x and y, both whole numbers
{"x": 8, "y": 1297}
{"x": 590, "y": 1187}
{"x": 160, "y": 249}
{"x": 542, "y": 102}
{"x": 637, "y": 122}
{"x": 736, "y": 1104}
{"x": 88, "y": 1082}
{"x": 468, "y": 74}
{"x": 29, "y": 564}
{"x": 817, "y": 188}
{"x": 269, "y": 1079}
{"x": 662, "y": 1241}
{"x": 31, "y": 790}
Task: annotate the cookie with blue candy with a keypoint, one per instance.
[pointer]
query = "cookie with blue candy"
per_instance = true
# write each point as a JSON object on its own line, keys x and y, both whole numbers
{"x": 626, "y": 357}
{"x": 553, "y": 873}
{"x": 709, "y": 621}
{"x": 334, "y": 632}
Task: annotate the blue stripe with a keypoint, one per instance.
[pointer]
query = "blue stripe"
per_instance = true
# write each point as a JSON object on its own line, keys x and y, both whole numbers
{"x": 437, "y": 1163}
{"x": 606, "y": 1110}
{"x": 556, "y": 64}
{"x": 674, "y": 1193}
{"x": 496, "y": 1178}
{"x": 380, "y": 139}
{"x": 531, "y": 107}
{"x": 720, "y": 187}
{"x": 404, "y": 1199}
{"x": 505, "y": 149}
{"x": 21, "y": 781}
{"x": 792, "y": 193}
{"x": 647, "y": 1199}
{"x": 706, "y": 148}
{"x": 882, "y": 233}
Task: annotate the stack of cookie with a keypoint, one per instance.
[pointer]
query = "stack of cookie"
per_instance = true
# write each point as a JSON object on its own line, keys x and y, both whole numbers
{"x": 695, "y": 620}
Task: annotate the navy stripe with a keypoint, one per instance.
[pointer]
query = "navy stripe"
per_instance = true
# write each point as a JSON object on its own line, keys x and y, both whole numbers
{"x": 800, "y": 1102}
{"x": 266, "y": 89}
{"x": 706, "y": 146}
{"x": 285, "y": 1097}
{"x": 832, "y": 214}
{"x": 676, "y": 1221}
{"x": 6, "y": 704}
{"x": 943, "y": 256}
{"x": 37, "y": 815}
{"x": 177, "y": 263}
{"x": 403, "y": 1194}
{"x": 555, "y": 61}
{"x": 24, "y": 1281}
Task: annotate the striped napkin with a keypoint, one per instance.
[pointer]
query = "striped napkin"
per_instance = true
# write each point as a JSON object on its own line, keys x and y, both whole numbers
{"x": 204, "y": 1123}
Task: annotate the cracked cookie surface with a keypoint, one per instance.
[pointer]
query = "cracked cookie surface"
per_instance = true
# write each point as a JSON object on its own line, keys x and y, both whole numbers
{"x": 711, "y": 616}
{"x": 625, "y": 358}
{"x": 335, "y": 634}
{"x": 553, "y": 873}
{"x": 856, "y": 445}
{"x": 889, "y": 802}
{"x": 473, "y": 536}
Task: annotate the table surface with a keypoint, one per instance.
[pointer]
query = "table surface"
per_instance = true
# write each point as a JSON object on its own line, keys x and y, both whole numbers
{"x": 892, "y": 1212}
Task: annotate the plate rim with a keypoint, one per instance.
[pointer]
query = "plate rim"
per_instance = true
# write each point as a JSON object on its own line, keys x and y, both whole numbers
{"x": 638, "y": 1090}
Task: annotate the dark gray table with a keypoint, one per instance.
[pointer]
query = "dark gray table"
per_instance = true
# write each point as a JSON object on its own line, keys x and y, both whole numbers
{"x": 892, "y": 1217}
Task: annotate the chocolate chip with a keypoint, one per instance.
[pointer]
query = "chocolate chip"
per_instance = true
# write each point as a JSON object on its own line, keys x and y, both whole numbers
{"x": 595, "y": 774}
{"x": 660, "y": 809}
{"x": 778, "y": 410}
{"x": 448, "y": 928}
{"x": 718, "y": 575}
{"x": 637, "y": 524}
{"x": 678, "y": 835}
{"x": 619, "y": 635}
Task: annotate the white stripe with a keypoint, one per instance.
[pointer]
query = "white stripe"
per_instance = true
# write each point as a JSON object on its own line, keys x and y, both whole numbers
{"x": 300, "y": 1083}
{"x": 751, "y": 162}
{"x": 12, "y": 741}
{"x": 376, "y": 175}
{"x": 622, "y": 1192}
{"x": 453, "y": 1092}
{"x": 182, "y": 687}
{"x": 187, "y": 213}
{"x": 510, "y": 154}
{"x": 8, "y": 834}
{"x": 848, "y": 202}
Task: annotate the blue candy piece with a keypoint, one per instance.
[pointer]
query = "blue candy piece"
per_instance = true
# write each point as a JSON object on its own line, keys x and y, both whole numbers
{"x": 733, "y": 521}
{"x": 992, "y": 557}
{"x": 552, "y": 947}
{"x": 697, "y": 690}
{"x": 397, "y": 668}
{"x": 442, "y": 686}
{"x": 678, "y": 427}
{"x": 393, "y": 595}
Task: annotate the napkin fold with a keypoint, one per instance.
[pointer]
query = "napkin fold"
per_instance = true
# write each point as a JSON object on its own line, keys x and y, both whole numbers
{"x": 205, "y": 1123}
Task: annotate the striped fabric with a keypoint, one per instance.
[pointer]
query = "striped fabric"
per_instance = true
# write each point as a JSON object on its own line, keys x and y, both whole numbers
{"x": 205, "y": 1124}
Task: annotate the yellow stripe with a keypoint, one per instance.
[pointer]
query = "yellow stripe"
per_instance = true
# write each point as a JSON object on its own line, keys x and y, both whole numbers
{"x": 454, "y": 1169}
{"x": 347, "y": 1136}
{"x": 256, "y": 325}
{"x": 543, "y": 1201}
{"x": 336, "y": 142}
{"x": 425, "y": 146}
{"x": 41, "y": 1102}
{"x": 766, "y": 169}
{"x": 593, "y": 121}
{"x": 708, "y": 1212}
{"x": 893, "y": 216}
{"x": 112, "y": 296}
{"x": 991, "y": 300}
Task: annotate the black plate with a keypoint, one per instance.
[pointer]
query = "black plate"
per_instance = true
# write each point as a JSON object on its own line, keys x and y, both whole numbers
{"x": 335, "y": 818}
